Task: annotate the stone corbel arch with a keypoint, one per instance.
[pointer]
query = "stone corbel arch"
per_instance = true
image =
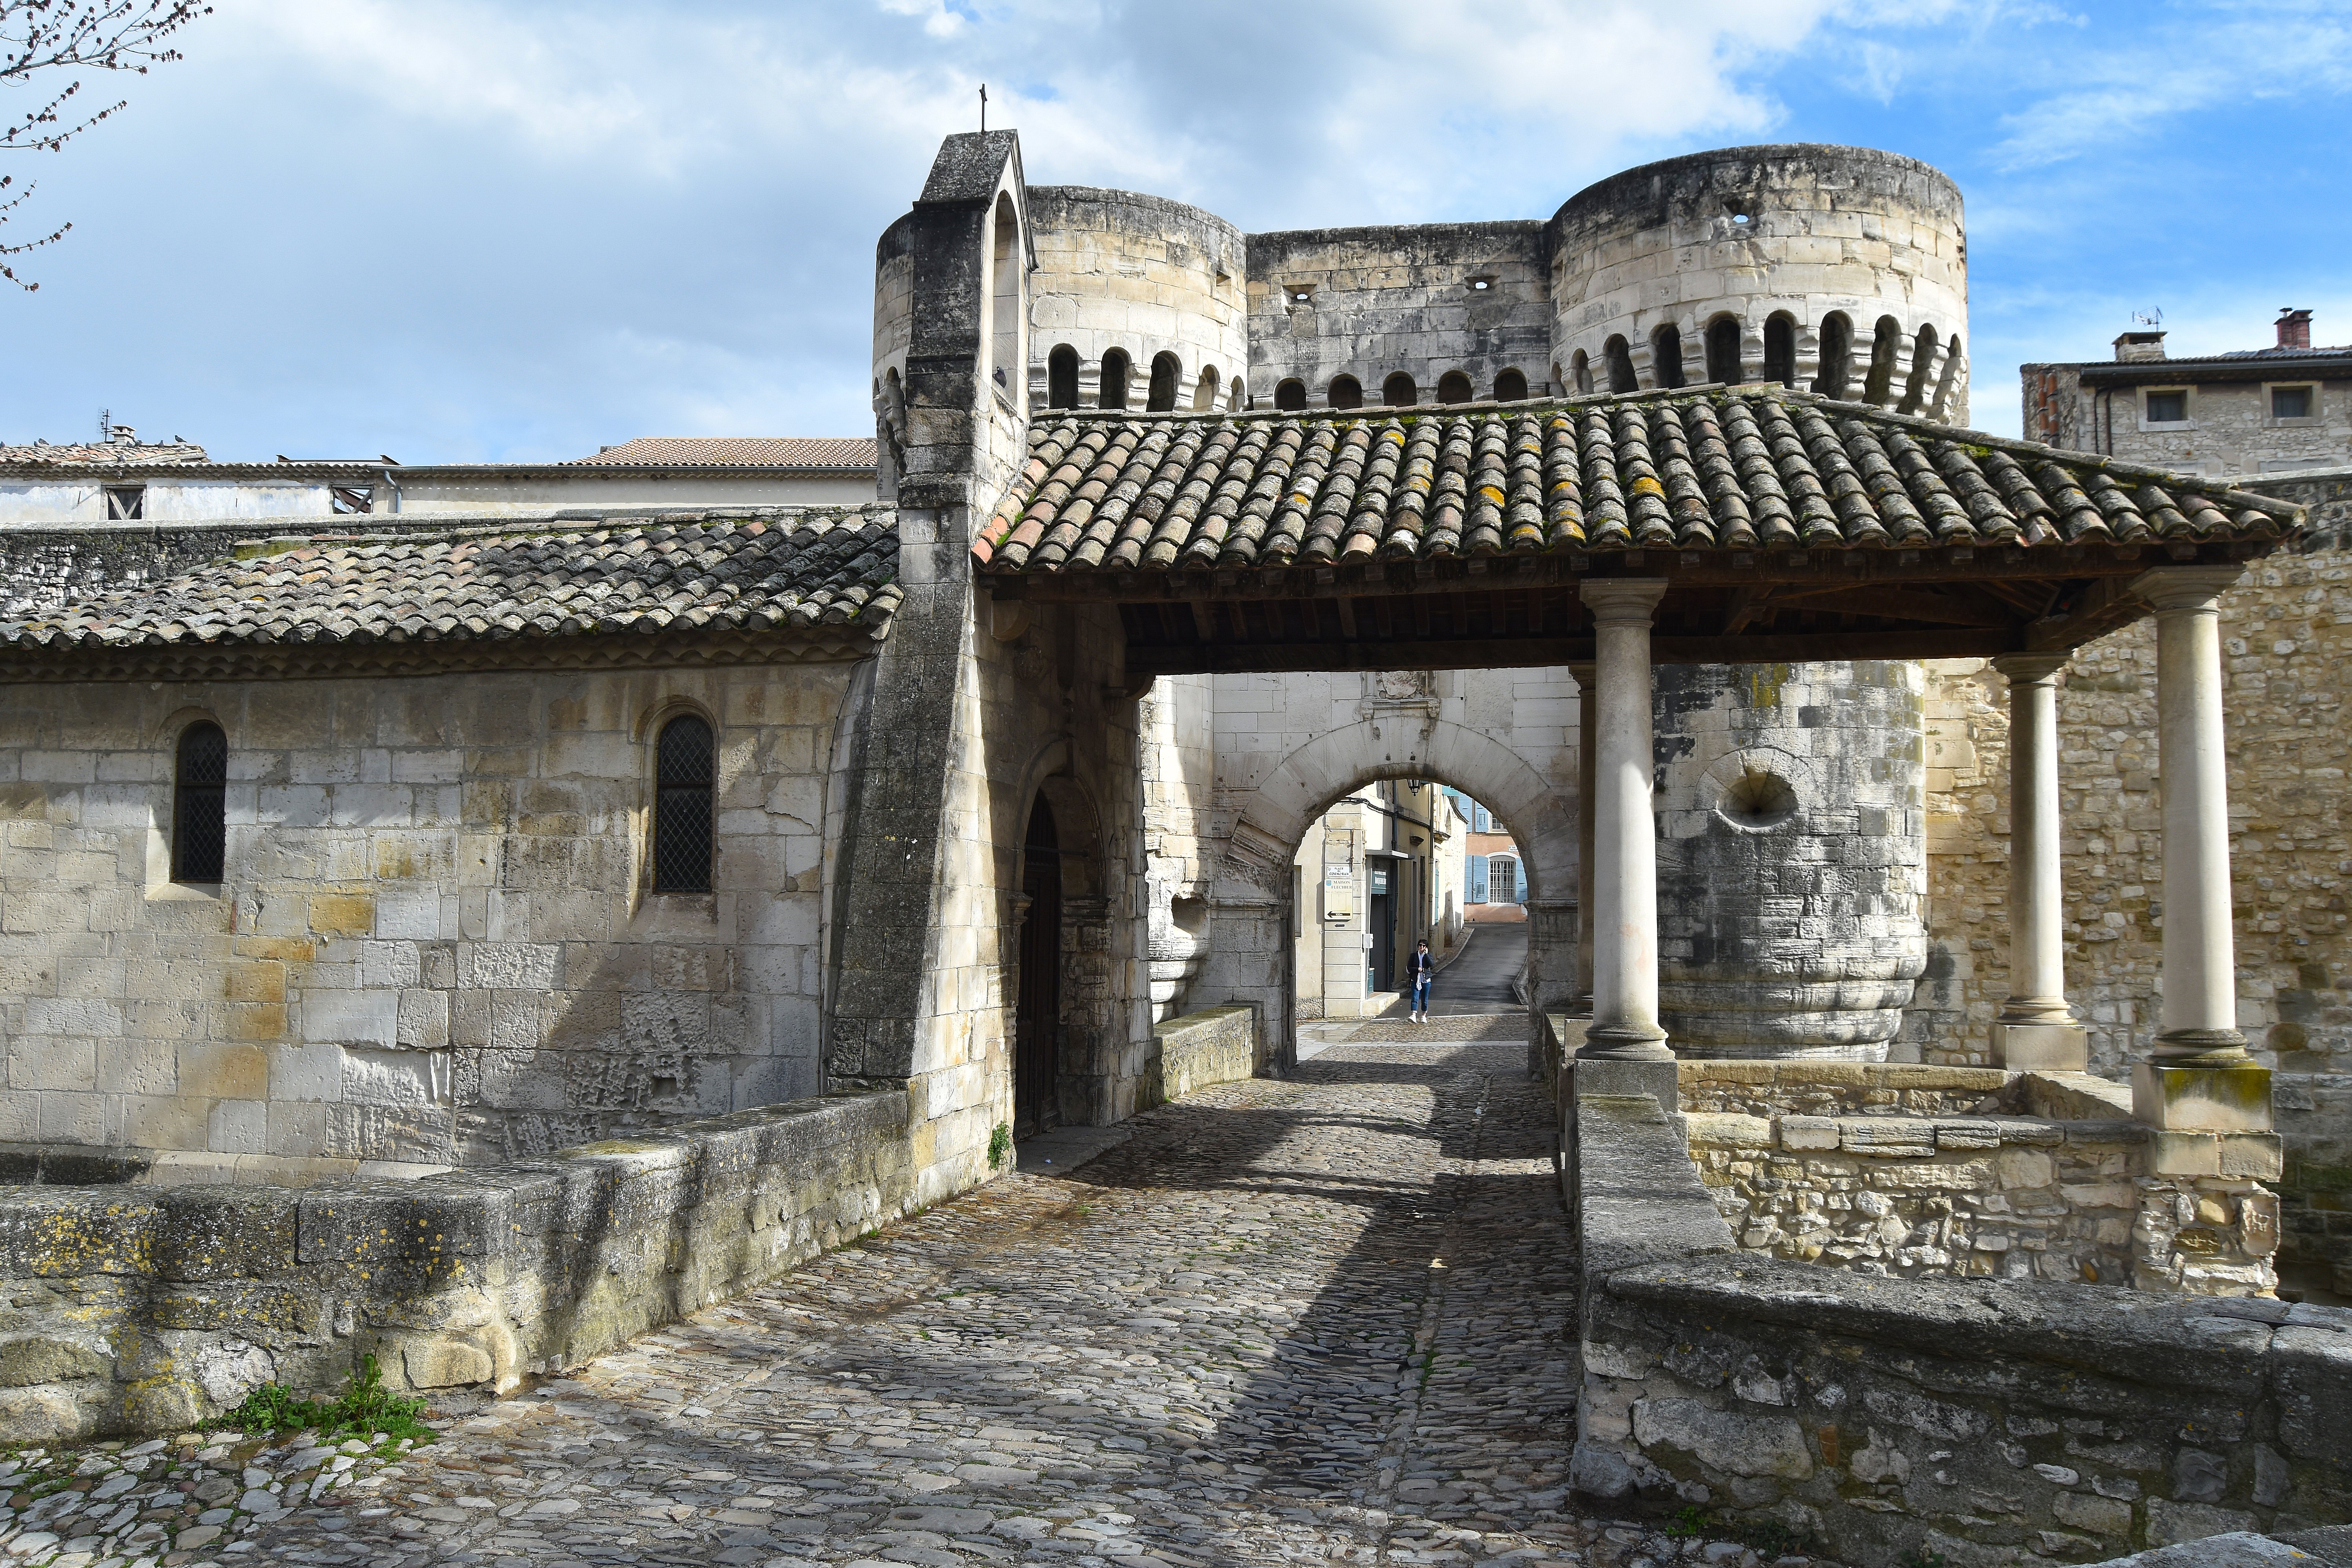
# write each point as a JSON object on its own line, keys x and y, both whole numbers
{"x": 1250, "y": 948}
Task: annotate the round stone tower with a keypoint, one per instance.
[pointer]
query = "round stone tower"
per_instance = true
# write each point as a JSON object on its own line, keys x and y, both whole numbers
{"x": 1837, "y": 270}
{"x": 1137, "y": 303}
{"x": 1792, "y": 857}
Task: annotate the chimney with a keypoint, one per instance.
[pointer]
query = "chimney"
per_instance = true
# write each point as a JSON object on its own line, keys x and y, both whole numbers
{"x": 2294, "y": 328}
{"x": 2134, "y": 346}
{"x": 123, "y": 436}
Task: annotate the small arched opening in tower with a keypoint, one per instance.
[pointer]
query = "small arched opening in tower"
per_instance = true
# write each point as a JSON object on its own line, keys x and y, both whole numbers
{"x": 1399, "y": 391}
{"x": 1290, "y": 394}
{"x": 1346, "y": 392}
{"x": 1580, "y": 370}
{"x": 1455, "y": 387}
{"x": 1949, "y": 384}
{"x": 1837, "y": 355}
{"x": 1166, "y": 375}
{"x": 1886, "y": 343}
{"x": 1666, "y": 355}
{"x": 1619, "y": 356}
{"x": 1922, "y": 361}
{"x": 1062, "y": 377}
{"x": 1004, "y": 270}
{"x": 1723, "y": 351}
{"x": 1239, "y": 398}
{"x": 1781, "y": 349}
{"x": 1204, "y": 395}
{"x": 1511, "y": 386}
{"x": 1115, "y": 371}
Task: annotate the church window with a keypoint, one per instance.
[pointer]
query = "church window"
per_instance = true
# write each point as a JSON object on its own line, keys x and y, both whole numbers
{"x": 1399, "y": 391}
{"x": 1166, "y": 375}
{"x": 1115, "y": 366}
{"x": 1062, "y": 377}
{"x": 1004, "y": 266}
{"x": 684, "y": 773}
{"x": 1346, "y": 392}
{"x": 1620, "y": 364}
{"x": 200, "y": 804}
{"x": 1781, "y": 349}
{"x": 1511, "y": 386}
{"x": 1837, "y": 355}
{"x": 1723, "y": 352}
{"x": 1666, "y": 355}
{"x": 1291, "y": 393}
{"x": 1455, "y": 387}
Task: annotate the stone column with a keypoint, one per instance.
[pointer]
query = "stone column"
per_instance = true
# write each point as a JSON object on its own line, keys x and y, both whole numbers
{"x": 1624, "y": 839}
{"x": 2035, "y": 1030}
{"x": 1588, "y": 762}
{"x": 2199, "y": 1076}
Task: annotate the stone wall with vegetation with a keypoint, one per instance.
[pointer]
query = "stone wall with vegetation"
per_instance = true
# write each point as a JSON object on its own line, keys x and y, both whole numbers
{"x": 2287, "y": 663}
{"x": 1989, "y": 1421}
{"x": 129, "y": 1310}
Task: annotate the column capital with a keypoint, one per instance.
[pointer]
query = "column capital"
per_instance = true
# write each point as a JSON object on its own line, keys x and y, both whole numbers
{"x": 2025, "y": 669}
{"x": 2175, "y": 588}
{"x": 1584, "y": 671}
{"x": 1621, "y": 599}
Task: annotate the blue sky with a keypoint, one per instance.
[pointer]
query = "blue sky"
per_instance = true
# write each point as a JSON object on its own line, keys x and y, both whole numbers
{"x": 511, "y": 230}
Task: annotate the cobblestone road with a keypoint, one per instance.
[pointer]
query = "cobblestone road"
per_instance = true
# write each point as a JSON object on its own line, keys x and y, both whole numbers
{"x": 1318, "y": 1319}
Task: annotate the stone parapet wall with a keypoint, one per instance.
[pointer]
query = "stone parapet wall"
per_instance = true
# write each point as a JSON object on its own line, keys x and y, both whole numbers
{"x": 1991, "y": 1421}
{"x": 1835, "y": 1089}
{"x": 1216, "y": 1044}
{"x": 129, "y": 1310}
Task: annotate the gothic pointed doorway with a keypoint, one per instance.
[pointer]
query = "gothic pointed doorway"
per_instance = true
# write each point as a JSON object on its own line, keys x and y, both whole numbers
{"x": 1037, "y": 1007}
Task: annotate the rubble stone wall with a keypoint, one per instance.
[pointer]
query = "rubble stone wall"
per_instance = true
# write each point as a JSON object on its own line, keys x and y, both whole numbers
{"x": 129, "y": 1310}
{"x": 1992, "y": 1421}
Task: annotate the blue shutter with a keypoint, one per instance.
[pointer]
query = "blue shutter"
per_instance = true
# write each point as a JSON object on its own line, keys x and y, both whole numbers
{"x": 1478, "y": 879}
{"x": 1518, "y": 881}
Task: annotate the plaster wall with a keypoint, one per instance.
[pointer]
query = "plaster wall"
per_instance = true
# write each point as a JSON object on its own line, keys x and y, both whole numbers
{"x": 435, "y": 942}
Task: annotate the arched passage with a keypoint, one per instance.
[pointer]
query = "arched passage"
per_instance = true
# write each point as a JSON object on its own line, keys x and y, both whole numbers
{"x": 1037, "y": 996}
{"x": 1252, "y": 919}
{"x": 1058, "y": 981}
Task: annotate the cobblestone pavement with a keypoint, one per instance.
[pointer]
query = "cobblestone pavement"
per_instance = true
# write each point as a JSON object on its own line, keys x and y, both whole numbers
{"x": 1308, "y": 1320}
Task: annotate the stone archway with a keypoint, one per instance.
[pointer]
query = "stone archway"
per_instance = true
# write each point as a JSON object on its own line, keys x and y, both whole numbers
{"x": 1251, "y": 935}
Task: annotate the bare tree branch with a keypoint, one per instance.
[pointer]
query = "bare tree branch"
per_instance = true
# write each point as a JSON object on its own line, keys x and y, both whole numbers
{"x": 41, "y": 38}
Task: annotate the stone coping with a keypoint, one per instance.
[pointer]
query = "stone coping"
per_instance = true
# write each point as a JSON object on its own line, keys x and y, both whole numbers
{"x": 1898, "y": 1136}
{"x": 1807, "y": 1071}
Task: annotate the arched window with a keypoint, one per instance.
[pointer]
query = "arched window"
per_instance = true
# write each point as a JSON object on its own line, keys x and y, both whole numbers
{"x": 200, "y": 804}
{"x": 1166, "y": 373}
{"x": 1004, "y": 269}
{"x": 1723, "y": 352}
{"x": 1115, "y": 368}
{"x": 1399, "y": 391}
{"x": 1666, "y": 355}
{"x": 1204, "y": 392}
{"x": 1062, "y": 377}
{"x": 1511, "y": 386}
{"x": 1455, "y": 387}
{"x": 1580, "y": 370}
{"x": 1886, "y": 343}
{"x": 1947, "y": 384}
{"x": 684, "y": 773}
{"x": 1346, "y": 392}
{"x": 1923, "y": 361}
{"x": 1239, "y": 399}
{"x": 1837, "y": 355}
{"x": 1781, "y": 349}
{"x": 1620, "y": 364}
{"x": 1291, "y": 393}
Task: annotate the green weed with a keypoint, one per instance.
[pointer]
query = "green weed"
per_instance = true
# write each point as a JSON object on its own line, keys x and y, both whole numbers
{"x": 365, "y": 1409}
{"x": 1000, "y": 1144}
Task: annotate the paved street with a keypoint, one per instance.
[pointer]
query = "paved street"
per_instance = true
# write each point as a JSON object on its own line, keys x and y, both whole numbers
{"x": 1319, "y": 1320}
{"x": 1480, "y": 980}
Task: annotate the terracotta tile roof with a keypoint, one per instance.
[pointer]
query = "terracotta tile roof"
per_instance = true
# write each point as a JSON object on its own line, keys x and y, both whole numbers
{"x": 742, "y": 451}
{"x": 100, "y": 454}
{"x": 789, "y": 571}
{"x": 1747, "y": 468}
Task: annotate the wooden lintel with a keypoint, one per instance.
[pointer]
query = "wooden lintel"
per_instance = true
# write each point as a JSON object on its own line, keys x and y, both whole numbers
{"x": 2107, "y": 605}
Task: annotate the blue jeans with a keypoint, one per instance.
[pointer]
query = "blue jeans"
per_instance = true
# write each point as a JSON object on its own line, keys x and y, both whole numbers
{"x": 1421, "y": 994}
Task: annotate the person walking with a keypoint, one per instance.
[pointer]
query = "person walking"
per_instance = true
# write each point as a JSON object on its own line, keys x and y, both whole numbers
{"x": 1423, "y": 968}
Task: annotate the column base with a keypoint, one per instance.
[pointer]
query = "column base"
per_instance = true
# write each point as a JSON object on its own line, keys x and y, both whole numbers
{"x": 1608, "y": 1078}
{"x": 2041, "y": 1048}
{"x": 1626, "y": 1043}
{"x": 2202, "y": 1100}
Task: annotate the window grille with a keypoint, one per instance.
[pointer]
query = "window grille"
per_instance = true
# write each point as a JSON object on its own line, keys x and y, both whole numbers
{"x": 683, "y": 775}
{"x": 200, "y": 804}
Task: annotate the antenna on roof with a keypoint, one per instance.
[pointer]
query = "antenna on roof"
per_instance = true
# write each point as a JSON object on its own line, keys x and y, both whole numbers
{"x": 105, "y": 425}
{"x": 2149, "y": 318}
{"x": 984, "y": 109}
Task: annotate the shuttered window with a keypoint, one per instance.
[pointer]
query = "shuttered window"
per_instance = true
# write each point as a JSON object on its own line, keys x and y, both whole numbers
{"x": 1477, "y": 864}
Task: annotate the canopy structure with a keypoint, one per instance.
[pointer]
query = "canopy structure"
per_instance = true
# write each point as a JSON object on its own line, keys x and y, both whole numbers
{"x": 1787, "y": 526}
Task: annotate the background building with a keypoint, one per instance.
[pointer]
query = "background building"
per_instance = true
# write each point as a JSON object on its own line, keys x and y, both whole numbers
{"x": 1493, "y": 877}
{"x": 1370, "y": 879}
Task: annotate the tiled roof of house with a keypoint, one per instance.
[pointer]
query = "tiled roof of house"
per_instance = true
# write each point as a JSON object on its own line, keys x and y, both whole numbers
{"x": 742, "y": 451}
{"x": 98, "y": 454}
{"x": 1712, "y": 469}
{"x": 788, "y": 570}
